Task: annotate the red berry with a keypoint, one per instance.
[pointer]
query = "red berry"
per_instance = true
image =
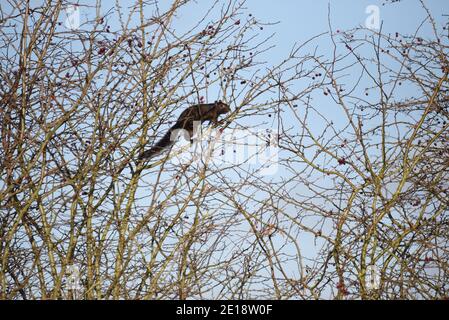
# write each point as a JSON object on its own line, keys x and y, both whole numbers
{"x": 102, "y": 50}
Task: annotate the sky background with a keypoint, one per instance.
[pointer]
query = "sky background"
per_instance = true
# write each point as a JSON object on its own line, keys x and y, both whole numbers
{"x": 297, "y": 21}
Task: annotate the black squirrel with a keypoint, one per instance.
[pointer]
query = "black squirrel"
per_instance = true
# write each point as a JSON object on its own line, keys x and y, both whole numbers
{"x": 199, "y": 112}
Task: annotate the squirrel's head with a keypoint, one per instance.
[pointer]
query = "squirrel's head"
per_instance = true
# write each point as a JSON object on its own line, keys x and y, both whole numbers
{"x": 222, "y": 107}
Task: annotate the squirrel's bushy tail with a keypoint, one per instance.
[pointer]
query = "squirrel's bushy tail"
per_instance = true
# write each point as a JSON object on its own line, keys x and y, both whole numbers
{"x": 162, "y": 144}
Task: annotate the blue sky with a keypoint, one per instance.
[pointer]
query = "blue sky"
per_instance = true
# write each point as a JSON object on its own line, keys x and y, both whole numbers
{"x": 298, "y": 21}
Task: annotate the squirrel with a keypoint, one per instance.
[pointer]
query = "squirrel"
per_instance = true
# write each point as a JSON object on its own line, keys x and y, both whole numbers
{"x": 199, "y": 112}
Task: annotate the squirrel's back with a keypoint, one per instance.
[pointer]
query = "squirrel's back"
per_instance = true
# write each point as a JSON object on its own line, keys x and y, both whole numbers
{"x": 199, "y": 112}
